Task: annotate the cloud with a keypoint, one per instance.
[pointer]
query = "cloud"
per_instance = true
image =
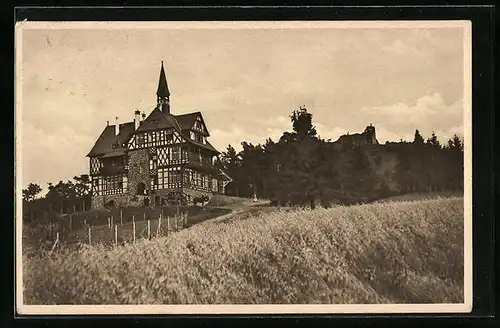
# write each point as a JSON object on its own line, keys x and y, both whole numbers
{"x": 55, "y": 156}
{"x": 255, "y": 132}
{"x": 428, "y": 113}
{"x": 327, "y": 132}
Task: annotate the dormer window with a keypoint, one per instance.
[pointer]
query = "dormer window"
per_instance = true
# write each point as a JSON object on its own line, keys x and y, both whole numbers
{"x": 199, "y": 138}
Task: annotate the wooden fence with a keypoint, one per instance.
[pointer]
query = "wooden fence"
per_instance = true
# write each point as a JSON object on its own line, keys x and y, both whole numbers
{"x": 116, "y": 231}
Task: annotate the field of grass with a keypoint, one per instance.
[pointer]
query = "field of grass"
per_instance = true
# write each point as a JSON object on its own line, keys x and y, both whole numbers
{"x": 397, "y": 252}
{"x": 420, "y": 196}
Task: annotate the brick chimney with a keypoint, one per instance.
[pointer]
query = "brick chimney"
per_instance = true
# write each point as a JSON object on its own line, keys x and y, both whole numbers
{"x": 137, "y": 119}
{"x": 143, "y": 116}
{"x": 117, "y": 126}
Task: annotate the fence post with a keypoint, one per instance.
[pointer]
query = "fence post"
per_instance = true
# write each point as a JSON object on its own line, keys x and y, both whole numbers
{"x": 144, "y": 218}
{"x": 158, "y": 227}
{"x": 176, "y": 218}
{"x": 55, "y": 244}
{"x": 109, "y": 222}
{"x": 116, "y": 235}
{"x": 149, "y": 229}
{"x": 71, "y": 222}
{"x": 168, "y": 224}
{"x": 90, "y": 235}
{"x": 133, "y": 229}
{"x": 121, "y": 216}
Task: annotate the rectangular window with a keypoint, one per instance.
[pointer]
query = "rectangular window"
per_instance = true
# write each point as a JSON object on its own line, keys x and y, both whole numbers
{"x": 112, "y": 185}
{"x": 198, "y": 179}
{"x": 125, "y": 183}
{"x": 153, "y": 162}
{"x": 175, "y": 153}
{"x": 141, "y": 140}
{"x": 162, "y": 137}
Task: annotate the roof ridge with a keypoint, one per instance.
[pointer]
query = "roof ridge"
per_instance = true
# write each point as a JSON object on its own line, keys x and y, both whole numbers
{"x": 171, "y": 118}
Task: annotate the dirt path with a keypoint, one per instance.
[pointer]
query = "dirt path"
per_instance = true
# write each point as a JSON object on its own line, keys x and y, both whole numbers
{"x": 226, "y": 217}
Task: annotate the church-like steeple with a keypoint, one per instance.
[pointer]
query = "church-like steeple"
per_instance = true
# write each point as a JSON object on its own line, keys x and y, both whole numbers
{"x": 163, "y": 94}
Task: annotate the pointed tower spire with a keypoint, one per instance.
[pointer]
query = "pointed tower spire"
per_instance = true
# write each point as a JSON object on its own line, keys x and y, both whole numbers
{"x": 163, "y": 94}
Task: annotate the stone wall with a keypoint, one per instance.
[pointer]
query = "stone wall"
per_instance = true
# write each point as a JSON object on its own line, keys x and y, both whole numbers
{"x": 119, "y": 200}
{"x": 123, "y": 200}
{"x": 137, "y": 159}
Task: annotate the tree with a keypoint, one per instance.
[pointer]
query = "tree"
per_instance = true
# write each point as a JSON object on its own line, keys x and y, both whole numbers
{"x": 433, "y": 141}
{"x": 434, "y": 163}
{"x": 82, "y": 185}
{"x": 456, "y": 144}
{"x": 302, "y": 123}
{"x": 231, "y": 162}
{"x": 418, "y": 140}
{"x": 62, "y": 193}
{"x": 31, "y": 192}
{"x": 252, "y": 164}
{"x": 455, "y": 160}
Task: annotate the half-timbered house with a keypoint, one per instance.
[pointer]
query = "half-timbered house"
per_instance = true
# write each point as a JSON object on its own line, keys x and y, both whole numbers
{"x": 156, "y": 159}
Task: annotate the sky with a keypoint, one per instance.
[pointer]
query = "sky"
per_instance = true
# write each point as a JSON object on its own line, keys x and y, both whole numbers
{"x": 245, "y": 81}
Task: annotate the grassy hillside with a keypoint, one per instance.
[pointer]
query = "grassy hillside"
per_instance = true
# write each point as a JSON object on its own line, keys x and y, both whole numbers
{"x": 420, "y": 196}
{"x": 403, "y": 252}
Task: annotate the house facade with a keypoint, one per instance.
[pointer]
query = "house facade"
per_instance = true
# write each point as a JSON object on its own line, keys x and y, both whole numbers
{"x": 357, "y": 140}
{"x": 155, "y": 160}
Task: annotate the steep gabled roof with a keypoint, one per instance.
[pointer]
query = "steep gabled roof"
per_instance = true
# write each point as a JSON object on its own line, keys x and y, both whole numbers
{"x": 157, "y": 120}
{"x": 186, "y": 121}
{"x": 105, "y": 142}
{"x": 162, "y": 84}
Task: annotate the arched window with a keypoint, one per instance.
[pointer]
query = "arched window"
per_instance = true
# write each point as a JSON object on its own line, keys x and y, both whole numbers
{"x": 141, "y": 187}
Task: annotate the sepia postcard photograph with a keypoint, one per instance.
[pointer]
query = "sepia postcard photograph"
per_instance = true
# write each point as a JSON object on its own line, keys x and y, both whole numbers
{"x": 243, "y": 167}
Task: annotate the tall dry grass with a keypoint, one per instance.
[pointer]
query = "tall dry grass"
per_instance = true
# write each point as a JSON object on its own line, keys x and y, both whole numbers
{"x": 404, "y": 252}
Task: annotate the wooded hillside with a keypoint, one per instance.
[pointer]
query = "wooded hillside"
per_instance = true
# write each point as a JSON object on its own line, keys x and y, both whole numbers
{"x": 301, "y": 168}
